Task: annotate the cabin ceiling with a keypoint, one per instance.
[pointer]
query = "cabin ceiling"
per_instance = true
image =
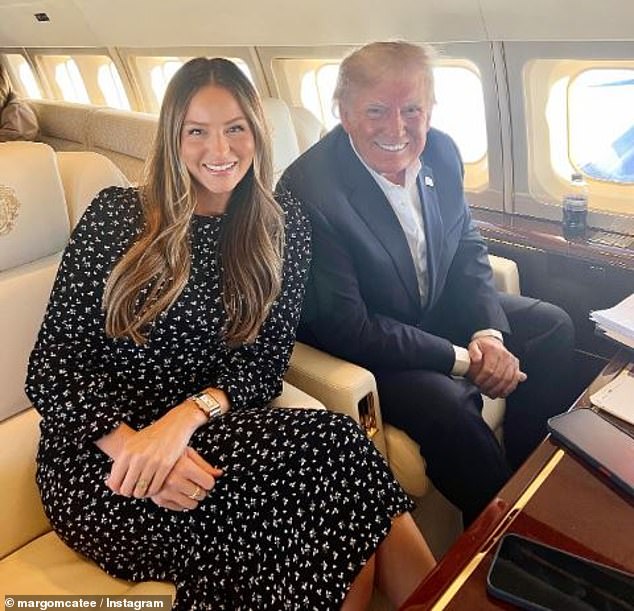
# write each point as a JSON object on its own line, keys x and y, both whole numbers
{"x": 163, "y": 23}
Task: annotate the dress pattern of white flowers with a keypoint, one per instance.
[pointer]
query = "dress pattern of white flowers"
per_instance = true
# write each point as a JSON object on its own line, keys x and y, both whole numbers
{"x": 305, "y": 498}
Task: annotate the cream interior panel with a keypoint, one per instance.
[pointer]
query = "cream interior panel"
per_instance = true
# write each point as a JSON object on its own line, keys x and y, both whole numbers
{"x": 561, "y": 20}
{"x": 116, "y": 22}
{"x": 287, "y": 22}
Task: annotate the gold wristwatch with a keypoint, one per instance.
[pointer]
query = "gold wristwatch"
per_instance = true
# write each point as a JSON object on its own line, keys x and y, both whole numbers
{"x": 207, "y": 404}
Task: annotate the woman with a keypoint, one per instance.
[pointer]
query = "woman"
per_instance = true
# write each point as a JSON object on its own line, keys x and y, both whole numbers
{"x": 169, "y": 328}
{"x": 17, "y": 119}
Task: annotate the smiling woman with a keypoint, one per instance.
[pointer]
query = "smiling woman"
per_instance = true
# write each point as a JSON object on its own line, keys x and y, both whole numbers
{"x": 217, "y": 146}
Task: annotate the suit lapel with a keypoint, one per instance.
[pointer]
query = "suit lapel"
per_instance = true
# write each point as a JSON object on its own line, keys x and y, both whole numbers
{"x": 434, "y": 229}
{"x": 370, "y": 203}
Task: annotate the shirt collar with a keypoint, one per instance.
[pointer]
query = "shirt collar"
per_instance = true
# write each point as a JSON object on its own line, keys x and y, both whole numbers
{"x": 411, "y": 172}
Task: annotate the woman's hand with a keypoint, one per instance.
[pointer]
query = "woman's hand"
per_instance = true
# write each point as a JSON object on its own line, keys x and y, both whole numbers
{"x": 188, "y": 483}
{"x": 143, "y": 459}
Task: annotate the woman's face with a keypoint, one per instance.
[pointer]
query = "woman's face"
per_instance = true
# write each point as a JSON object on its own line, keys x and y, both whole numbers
{"x": 217, "y": 146}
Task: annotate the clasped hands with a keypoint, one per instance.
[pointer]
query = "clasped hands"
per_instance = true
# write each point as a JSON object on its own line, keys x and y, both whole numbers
{"x": 156, "y": 462}
{"x": 493, "y": 369}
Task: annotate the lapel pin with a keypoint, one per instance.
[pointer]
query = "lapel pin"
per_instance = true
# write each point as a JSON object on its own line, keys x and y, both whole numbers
{"x": 429, "y": 181}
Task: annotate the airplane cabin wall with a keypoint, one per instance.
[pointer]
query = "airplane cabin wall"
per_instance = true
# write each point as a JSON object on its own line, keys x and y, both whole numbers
{"x": 148, "y": 23}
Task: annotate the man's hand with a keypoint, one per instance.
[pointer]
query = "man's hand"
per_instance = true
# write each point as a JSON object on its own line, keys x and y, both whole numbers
{"x": 494, "y": 370}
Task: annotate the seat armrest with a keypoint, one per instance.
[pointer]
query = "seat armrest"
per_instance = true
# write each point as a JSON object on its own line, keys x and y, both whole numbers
{"x": 341, "y": 386}
{"x": 505, "y": 275}
{"x": 295, "y": 398}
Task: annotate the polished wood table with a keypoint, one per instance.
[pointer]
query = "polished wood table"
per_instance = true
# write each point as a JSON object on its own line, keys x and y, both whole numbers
{"x": 553, "y": 498}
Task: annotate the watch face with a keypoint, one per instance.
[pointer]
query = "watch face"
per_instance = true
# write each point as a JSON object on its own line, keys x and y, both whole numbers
{"x": 208, "y": 404}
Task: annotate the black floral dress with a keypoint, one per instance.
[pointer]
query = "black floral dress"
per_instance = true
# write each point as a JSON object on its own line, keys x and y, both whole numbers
{"x": 305, "y": 498}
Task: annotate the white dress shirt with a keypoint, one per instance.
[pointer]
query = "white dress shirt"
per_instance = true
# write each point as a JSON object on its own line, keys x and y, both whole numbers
{"x": 407, "y": 205}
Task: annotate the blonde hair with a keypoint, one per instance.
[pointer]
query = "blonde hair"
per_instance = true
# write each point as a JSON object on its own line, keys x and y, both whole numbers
{"x": 369, "y": 64}
{"x": 252, "y": 234}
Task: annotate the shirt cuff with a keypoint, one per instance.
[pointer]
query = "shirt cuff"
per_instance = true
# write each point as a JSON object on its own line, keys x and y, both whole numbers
{"x": 488, "y": 333}
{"x": 462, "y": 362}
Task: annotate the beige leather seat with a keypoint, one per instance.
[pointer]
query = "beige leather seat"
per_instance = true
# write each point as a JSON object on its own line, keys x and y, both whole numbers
{"x": 33, "y": 560}
{"x": 308, "y": 128}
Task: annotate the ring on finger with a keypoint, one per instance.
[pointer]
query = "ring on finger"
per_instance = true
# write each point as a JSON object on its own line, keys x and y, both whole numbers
{"x": 141, "y": 486}
{"x": 194, "y": 495}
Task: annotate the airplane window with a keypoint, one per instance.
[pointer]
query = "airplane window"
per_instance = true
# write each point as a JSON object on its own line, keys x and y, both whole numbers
{"x": 459, "y": 110}
{"x": 71, "y": 84}
{"x": 317, "y": 88}
{"x": 20, "y": 68}
{"x": 161, "y": 75}
{"x": 601, "y": 124}
{"x": 162, "y": 69}
{"x": 111, "y": 86}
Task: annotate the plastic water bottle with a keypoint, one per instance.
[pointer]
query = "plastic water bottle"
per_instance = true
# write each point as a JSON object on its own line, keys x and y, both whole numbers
{"x": 575, "y": 208}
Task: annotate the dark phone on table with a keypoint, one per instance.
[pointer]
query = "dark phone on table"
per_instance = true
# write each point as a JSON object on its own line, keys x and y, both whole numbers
{"x": 599, "y": 442}
{"x": 534, "y": 576}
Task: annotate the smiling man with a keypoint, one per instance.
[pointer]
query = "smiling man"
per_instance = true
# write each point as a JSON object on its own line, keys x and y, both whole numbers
{"x": 401, "y": 284}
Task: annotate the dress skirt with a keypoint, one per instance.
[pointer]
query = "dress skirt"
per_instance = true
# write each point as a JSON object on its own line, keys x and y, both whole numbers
{"x": 304, "y": 502}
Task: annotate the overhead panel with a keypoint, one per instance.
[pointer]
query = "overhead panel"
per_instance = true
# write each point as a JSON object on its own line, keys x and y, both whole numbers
{"x": 152, "y": 23}
{"x": 67, "y": 24}
{"x": 560, "y": 20}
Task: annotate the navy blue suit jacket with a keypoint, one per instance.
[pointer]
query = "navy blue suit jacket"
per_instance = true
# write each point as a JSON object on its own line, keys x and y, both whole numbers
{"x": 362, "y": 301}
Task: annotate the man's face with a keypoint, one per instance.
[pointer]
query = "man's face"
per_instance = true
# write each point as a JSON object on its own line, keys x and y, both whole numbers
{"x": 388, "y": 122}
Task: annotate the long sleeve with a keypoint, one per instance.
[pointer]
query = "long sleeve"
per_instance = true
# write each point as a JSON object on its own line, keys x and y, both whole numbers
{"x": 68, "y": 377}
{"x": 252, "y": 374}
{"x": 338, "y": 319}
{"x": 362, "y": 301}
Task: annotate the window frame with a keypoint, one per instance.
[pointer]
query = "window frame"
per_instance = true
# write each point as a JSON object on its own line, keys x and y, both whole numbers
{"x": 142, "y": 84}
{"x": 15, "y": 79}
{"x": 539, "y": 189}
{"x": 50, "y": 88}
{"x": 484, "y": 180}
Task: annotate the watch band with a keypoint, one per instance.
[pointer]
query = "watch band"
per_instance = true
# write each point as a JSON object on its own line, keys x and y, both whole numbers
{"x": 207, "y": 404}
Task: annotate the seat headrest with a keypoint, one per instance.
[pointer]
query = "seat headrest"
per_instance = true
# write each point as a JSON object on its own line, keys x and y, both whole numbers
{"x": 33, "y": 215}
{"x": 285, "y": 146}
{"x": 308, "y": 127}
{"x": 84, "y": 174}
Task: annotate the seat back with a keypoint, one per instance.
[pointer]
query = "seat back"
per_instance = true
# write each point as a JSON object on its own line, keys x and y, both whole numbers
{"x": 33, "y": 194}
{"x": 124, "y": 137}
{"x": 63, "y": 125}
{"x": 83, "y": 175}
{"x": 308, "y": 128}
{"x": 280, "y": 123}
{"x": 29, "y": 255}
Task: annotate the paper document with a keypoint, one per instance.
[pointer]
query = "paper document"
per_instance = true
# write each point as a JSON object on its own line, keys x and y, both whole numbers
{"x": 617, "y": 322}
{"x": 617, "y": 397}
{"x": 619, "y": 337}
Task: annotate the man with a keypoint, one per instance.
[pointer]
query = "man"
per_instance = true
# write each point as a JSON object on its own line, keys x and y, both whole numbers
{"x": 401, "y": 284}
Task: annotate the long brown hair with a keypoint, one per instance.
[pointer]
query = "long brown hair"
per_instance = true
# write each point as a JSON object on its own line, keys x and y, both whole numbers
{"x": 148, "y": 279}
